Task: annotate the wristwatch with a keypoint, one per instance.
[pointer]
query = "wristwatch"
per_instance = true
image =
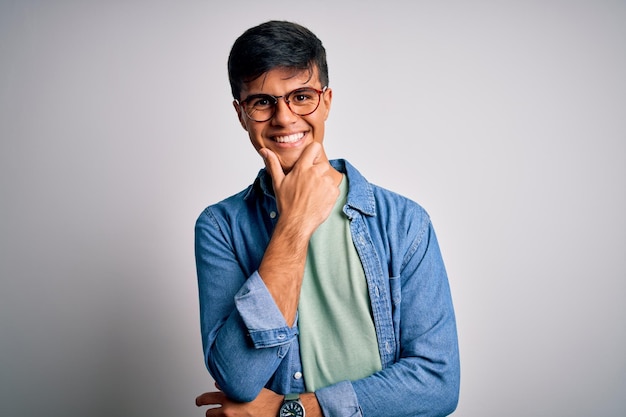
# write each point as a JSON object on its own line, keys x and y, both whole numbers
{"x": 292, "y": 406}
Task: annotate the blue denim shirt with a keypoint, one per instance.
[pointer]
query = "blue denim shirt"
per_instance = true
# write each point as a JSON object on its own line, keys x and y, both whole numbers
{"x": 248, "y": 344}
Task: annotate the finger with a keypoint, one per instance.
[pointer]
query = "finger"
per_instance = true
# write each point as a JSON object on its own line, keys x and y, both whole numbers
{"x": 214, "y": 412}
{"x": 210, "y": 398}
{"x": 272, "y": 164}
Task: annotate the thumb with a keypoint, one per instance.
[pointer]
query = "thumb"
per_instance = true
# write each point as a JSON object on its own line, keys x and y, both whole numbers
{"x": 313, "y": 154}
{"x": 272, "y": 164}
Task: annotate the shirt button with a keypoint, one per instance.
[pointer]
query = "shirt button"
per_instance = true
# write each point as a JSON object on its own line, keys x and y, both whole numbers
{"x": 272, "y": 214}
{"x": 297, "y": 375}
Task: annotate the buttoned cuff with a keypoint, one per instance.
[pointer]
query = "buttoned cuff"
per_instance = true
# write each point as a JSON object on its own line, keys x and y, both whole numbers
{"x": 339, "y": 400}
{"x": 265, "y": 323}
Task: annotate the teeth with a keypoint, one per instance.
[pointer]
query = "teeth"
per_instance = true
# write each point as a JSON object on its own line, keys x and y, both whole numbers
{"x": 289, "y": 139}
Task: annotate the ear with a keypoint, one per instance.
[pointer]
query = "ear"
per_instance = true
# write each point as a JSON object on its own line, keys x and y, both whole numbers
{"x": 327, "y": 98}
{"x": 240, "y": 115}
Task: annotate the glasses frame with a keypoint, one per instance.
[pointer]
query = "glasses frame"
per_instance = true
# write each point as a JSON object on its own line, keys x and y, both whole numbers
{"x": 243, "y": 103}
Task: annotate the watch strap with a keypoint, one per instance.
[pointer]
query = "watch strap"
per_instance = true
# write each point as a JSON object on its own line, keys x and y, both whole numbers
{"x": 292, "y": 397}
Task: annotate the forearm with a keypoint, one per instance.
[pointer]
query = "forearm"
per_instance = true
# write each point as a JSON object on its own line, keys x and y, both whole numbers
{"x": 267, "y": 404}
{"x": 282, "y": 267}
{"x": 415, "y": 387}
{"x": 305, "y": 196}
{"x": 404, "y": 389}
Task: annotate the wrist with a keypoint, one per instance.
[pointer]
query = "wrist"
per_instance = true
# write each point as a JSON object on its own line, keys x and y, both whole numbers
{"x": 292, "y": 407}
{"x": 294, "y": 228}
{"x": 311, "y": 405}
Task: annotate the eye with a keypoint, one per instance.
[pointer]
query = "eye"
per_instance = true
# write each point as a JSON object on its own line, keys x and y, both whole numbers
{"x": 260, "y": 101}
{"x": 303, "y": 96}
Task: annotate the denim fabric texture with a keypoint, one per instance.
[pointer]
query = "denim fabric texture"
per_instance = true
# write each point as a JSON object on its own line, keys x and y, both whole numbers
{"x": 248, "y": 345}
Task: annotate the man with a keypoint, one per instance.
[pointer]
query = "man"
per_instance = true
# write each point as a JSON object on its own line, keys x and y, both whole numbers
{"x": 320, "y": 293}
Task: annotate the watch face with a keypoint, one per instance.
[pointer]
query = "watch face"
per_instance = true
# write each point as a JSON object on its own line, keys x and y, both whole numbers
{"x": 292, "y": 409}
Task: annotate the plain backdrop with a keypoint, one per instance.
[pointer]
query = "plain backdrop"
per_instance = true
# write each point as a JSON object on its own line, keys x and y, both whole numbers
{"x": 506, "y": 120}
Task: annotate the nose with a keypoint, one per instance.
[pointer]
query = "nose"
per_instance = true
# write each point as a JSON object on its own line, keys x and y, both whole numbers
{"x": 283, "y": 115}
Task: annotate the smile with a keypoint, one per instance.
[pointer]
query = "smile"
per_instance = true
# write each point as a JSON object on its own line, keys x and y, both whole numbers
{"x": 289, "y": 138}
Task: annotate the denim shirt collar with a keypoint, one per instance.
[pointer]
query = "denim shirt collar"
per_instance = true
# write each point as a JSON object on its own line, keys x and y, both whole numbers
{"x": 360, "y": 193}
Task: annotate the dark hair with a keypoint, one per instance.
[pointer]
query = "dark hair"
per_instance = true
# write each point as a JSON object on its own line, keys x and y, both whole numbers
{"x": 274, "y": 44}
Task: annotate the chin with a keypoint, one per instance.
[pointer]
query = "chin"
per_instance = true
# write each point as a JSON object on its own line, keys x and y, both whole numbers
{"x": 288, "y": 162}
{"x": 286, "y": 168}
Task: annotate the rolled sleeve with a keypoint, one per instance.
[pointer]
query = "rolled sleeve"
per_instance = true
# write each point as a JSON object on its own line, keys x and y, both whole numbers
{"x": 339, "y": 400}
{"x": 265, "y": 323}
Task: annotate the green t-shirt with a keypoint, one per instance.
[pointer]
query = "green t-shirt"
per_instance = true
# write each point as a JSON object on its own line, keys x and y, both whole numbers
{"x": 337, "y": 335}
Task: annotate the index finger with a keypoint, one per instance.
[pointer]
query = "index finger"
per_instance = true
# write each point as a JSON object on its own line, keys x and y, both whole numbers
{"x": 272, "y": 164}
{"x": 210, "y": 398}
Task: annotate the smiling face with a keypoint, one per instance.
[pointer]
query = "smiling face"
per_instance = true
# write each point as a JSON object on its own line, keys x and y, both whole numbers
{"x": 286, "y": 134}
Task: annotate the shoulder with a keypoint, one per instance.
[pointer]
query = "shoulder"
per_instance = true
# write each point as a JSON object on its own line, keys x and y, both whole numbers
{"x": 401, "y": 216}
{"x": 391, "y": 202}
{"x": 226, "y": 209}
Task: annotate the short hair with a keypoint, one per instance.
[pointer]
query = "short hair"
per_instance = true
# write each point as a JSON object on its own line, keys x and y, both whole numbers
{"x": 274, "y": 44}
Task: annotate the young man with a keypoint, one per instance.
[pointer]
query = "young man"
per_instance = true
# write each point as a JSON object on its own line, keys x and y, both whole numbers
{"x": 320, "y": 293}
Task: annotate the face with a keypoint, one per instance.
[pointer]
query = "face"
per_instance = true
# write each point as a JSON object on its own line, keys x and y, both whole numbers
{"x": 286, "y": 134}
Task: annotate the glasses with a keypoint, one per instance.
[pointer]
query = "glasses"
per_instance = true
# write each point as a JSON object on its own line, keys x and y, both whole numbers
{"x": 301, "y": 101}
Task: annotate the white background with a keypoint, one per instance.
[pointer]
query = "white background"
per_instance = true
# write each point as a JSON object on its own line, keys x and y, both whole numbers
{"x": 506, "y": 120}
